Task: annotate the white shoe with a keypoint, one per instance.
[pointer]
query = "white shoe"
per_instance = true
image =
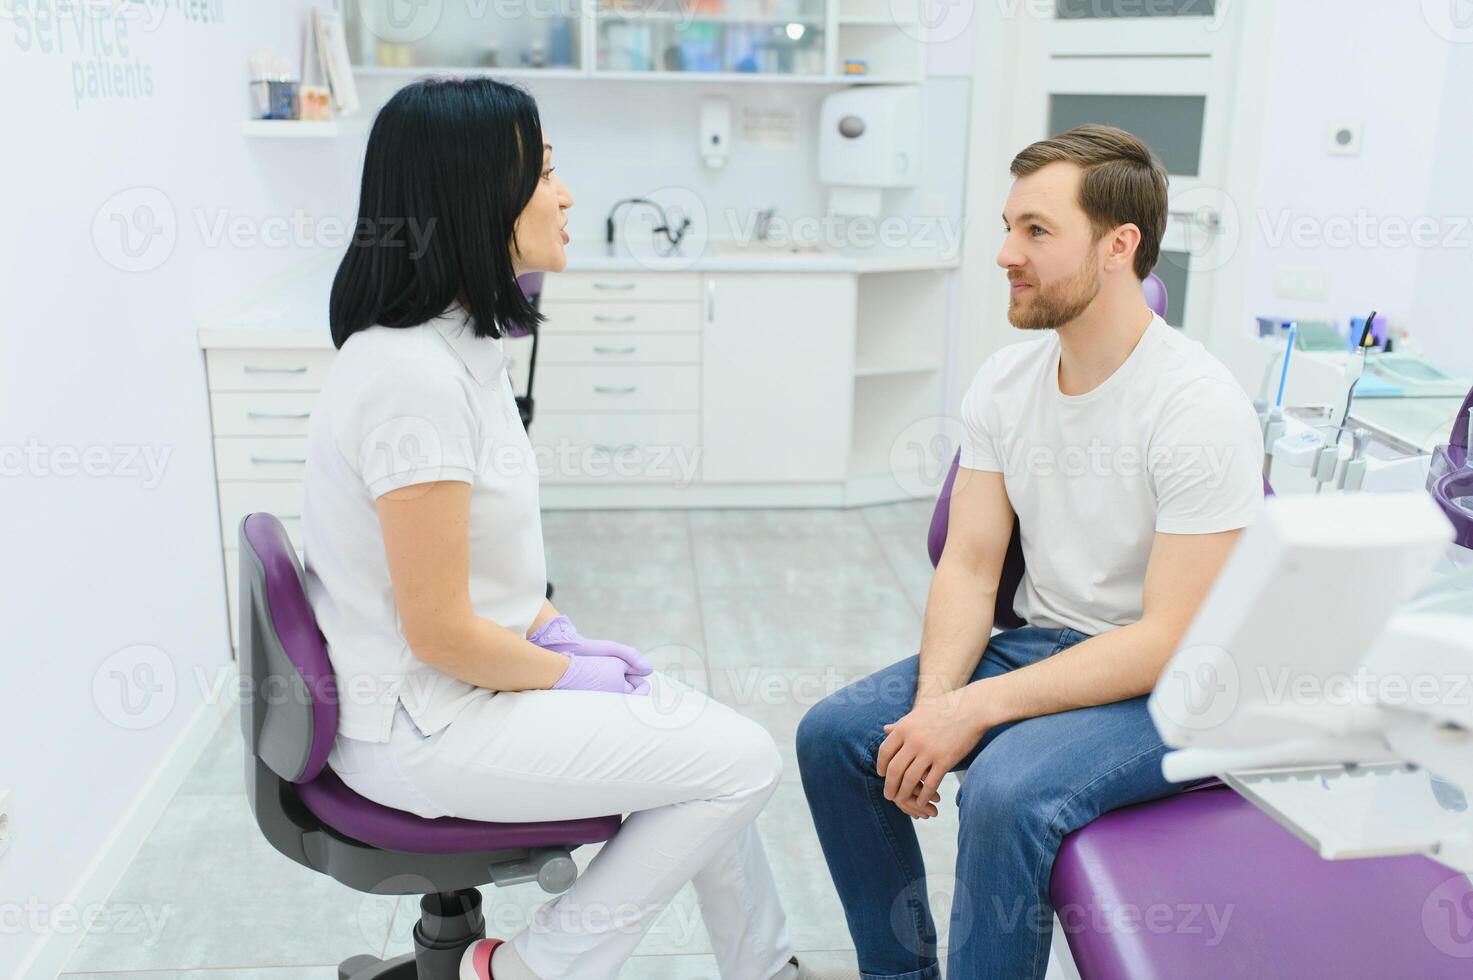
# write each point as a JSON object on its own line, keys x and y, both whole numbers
{"x": 809, "y": 973}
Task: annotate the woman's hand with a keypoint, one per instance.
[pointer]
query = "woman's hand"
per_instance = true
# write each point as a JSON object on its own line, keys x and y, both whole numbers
{"x": 598, "y": 674}
{"x": 560, "y": 636}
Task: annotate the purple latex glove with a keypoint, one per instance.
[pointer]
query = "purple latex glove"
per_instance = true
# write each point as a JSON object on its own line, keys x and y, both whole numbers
{"x": 595, "y": 674}
{"x": 561, "y": 636}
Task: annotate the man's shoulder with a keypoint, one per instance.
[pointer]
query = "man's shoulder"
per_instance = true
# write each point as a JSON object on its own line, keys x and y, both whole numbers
{"x": 1183, "y": 369}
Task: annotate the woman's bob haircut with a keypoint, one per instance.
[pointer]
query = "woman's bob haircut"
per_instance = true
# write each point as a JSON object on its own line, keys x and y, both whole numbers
{"x": 450, "y": 164}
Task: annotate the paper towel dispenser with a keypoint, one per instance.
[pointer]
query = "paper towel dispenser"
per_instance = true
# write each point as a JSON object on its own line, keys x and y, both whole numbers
{"x": 870, "y": 136}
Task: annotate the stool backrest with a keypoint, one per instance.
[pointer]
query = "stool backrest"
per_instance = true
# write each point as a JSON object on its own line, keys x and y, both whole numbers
{"x": 531, "y": 284}
{"x": 289, "y": 708}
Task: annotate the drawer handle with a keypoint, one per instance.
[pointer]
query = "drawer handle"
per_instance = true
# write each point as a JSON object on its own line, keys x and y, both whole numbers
{"x": 614, "y": 285}
{"x": 614, "y": 450}
{"x": 614, "y": 350}
{"x": 609, "y": 390}
{"x": 277, "y": 415}
{"x": 609, "y": 318}
{"x": 253, "y": 369}
{"x": 277, "y": 459}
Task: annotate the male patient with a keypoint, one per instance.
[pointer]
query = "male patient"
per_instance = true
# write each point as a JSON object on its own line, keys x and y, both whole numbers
{"x": 1131, "y": 458}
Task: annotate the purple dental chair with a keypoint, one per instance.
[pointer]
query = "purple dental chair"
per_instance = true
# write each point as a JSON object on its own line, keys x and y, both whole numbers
{"x": 1450, "y": 479}
{"x": 1292, "y": 913}
{"x": 307, "y": 813}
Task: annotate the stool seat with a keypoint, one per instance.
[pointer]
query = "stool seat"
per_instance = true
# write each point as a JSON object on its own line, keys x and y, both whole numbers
{"x": 352, "y": 815}
{"x": 1280, "y": 909}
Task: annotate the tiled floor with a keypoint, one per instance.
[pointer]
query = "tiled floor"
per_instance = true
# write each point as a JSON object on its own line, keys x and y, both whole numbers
{"x": 769, "y": 610}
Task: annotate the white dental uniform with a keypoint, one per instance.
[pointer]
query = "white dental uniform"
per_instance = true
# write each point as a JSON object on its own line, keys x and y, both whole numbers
{"x": 407, "y": 406}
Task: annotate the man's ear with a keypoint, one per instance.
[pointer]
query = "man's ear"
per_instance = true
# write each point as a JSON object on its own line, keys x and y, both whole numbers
{"x": 1124, "y": 241}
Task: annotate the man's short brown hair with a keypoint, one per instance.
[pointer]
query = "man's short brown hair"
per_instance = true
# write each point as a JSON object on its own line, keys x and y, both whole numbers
{"x": 1123, "y": 183}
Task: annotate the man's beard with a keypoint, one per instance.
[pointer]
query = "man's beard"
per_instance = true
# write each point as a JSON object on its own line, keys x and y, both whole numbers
{"x": 1054, "y": 305}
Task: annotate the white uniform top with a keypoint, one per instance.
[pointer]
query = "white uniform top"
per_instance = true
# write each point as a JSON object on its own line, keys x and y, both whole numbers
{"x": 1170, "y": 442}
{"x": 405, "y": 406}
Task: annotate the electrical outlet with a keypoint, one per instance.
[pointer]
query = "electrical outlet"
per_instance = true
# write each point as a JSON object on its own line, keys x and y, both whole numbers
{"x": 5, "y": 833}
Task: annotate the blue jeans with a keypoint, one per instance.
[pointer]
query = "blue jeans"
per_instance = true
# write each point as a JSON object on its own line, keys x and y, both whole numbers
{"x": 1028, "y": 784}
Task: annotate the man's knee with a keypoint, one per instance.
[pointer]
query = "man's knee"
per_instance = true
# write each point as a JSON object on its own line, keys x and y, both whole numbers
{"x": 1004, "y": 794}
{"x": 826, "y": 734}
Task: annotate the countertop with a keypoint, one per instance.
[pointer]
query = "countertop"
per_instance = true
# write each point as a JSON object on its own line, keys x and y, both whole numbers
{"x": 290, "y": 310}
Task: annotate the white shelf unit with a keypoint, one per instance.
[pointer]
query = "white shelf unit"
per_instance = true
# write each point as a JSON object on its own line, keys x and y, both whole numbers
{"x": 289, "y": 129}
{"x": 900, "y": 347}
{"x": 887, "y": 34}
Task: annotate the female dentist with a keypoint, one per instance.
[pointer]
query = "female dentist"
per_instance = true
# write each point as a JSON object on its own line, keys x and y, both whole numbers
{"x": 462, "y": 690}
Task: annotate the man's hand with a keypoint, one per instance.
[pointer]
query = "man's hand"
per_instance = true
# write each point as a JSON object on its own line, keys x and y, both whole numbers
{"x": 926, "y": 744}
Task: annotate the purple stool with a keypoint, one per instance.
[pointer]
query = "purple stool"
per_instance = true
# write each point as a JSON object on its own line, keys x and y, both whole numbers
{"x": 307, "y": 813}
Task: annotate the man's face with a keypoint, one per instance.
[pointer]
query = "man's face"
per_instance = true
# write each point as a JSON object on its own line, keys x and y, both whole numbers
{"x": 1050, "y": 252}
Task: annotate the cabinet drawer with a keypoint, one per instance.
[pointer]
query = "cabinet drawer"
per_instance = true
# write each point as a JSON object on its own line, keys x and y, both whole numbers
{"x": 272, "y": 458}
{"x": 263, "y": 413}
{"x": 567, "y": 388}
{"x": 620, "y": 318}
{"x": 616, "y": 448}
{"x": 622, "y": 286}
{"x": 246, "y": 497}
{"x": 267, "y": 370}
{"x": 620, "y": 348}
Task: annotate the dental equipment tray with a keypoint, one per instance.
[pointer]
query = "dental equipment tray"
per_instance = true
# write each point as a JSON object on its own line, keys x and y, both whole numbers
{"x": 1373, "y": 810}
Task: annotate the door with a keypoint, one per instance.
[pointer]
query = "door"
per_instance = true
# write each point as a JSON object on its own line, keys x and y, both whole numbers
{"x": 1164, "y": 71}
{"x": 777, "y": 377}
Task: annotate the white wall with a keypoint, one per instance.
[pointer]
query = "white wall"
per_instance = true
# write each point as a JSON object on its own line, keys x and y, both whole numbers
{"x": 1442, "y": 318}
{"x": 98, "y": 364}
{"x": 129, "y": 214}
{"x": 1357, "y": 223}
{"x": 625, "y": 138}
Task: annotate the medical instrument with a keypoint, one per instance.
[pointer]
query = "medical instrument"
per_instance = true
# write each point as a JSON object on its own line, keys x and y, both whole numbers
{"x": 666, "y": 229}
{"x": 1271, "y": 418}
{"x": 1309, "y": 705}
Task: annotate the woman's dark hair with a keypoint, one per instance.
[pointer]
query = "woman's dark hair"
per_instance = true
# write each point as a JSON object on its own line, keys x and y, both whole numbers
{"x": 451, "y": 163}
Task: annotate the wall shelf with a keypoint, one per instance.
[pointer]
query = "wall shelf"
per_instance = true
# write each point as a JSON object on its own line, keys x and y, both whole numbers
{"x": 289, "y": 129}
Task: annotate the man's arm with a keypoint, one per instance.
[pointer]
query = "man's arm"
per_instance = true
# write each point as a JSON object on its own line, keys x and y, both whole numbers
{"x": 1114, "y": 666}
{"x": 1122, "y": 663}
{"x": 959, "y": 606}
{"x": 958, "y": 624}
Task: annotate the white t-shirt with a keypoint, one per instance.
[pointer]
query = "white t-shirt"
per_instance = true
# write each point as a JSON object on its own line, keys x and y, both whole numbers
{"x": 1170, "y": 442}
{"x": 405, "y": 406}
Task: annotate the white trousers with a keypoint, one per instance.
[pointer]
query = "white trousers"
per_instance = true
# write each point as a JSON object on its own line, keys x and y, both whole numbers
{"x": 691, "y": 772}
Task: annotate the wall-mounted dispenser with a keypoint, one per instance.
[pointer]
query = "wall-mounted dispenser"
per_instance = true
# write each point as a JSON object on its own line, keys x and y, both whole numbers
{"x": 869, "y": 138}
{"x": 715, "y": 131}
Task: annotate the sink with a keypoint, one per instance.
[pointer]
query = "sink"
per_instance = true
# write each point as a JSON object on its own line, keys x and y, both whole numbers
{"x": 756, "y": 247}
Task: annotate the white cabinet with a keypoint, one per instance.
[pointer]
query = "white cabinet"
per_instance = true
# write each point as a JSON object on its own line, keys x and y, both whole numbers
{"x": 777, "y": 377}
{"x": 654, "y": 389}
